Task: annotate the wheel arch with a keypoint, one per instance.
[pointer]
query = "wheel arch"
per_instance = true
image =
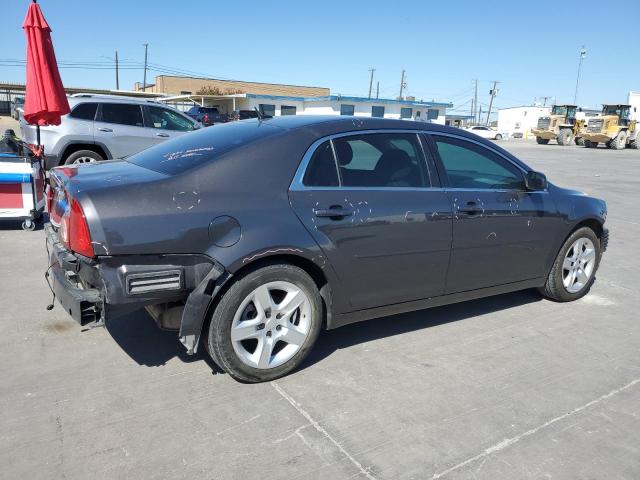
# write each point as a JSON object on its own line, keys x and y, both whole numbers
{"x": 72, "y": 148}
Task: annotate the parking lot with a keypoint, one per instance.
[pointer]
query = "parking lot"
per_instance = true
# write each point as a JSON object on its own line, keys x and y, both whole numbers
{"x": 507, "y": 387}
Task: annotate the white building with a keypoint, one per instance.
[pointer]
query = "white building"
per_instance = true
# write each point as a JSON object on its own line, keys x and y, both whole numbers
{"x": 634, "y": 101}
{"x": 518, "y": 121}
{"x": 326, "y": 105}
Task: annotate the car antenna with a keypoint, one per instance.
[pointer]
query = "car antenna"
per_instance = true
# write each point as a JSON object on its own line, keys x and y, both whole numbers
{"x": 258, "y": 113}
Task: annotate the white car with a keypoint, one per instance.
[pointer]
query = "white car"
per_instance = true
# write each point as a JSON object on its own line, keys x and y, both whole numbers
{"x": 485, "y": 132}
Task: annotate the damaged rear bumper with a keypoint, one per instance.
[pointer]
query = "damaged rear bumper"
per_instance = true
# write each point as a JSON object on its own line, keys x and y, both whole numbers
{"x": 177, "y": 290}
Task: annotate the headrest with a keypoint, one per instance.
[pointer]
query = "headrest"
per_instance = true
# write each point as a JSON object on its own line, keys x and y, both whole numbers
{"x": 393, "y": 160}
{"x": 344, "y": 152}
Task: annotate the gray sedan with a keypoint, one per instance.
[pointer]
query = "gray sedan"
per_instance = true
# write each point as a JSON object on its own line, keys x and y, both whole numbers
{"x": 251, "y": 237}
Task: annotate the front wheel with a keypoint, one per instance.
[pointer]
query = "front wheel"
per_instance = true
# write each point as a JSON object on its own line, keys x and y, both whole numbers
{"x": 498, "y": 137}
{"x": 565, "y": 137}
{"x": 542, "y": 141}
{"x": 265, "y": 324}
{"x": 574, "y": 269}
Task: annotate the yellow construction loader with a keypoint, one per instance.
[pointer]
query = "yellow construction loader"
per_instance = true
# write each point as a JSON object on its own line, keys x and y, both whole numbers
{"x": 562, "y": 126}
{"x": 616, "y": 127}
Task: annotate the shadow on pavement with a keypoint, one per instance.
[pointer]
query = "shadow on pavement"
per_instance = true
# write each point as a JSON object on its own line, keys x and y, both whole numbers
{"x": 141, "y": 339}
{"x": 138, "y": 335}
{"x": 345, "y": 337}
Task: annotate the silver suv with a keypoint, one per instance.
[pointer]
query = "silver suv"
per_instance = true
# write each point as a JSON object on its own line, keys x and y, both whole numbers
{"x": 102, "y": 127}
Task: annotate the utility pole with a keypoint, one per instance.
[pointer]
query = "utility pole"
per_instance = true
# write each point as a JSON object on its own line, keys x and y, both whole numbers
{"x": 144, "y": 82}
{"x": 377, "y": 89}
{"x": 117, "y": 76}
{"x": 479, "y": 113}
{"x": 583, "y": 54}
{"x": 371, "y": 80}
{"x": 474, "y": 105}
{"x": 402, "y": 84}
{"x": 544, "y": 103}
{"x": 493, "y": 92}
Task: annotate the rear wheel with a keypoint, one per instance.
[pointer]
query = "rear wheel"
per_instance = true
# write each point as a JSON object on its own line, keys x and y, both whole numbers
{"x": 565, "y": 136}
{"x": 266, "y": 323}
{"x": 83, "y": 156}
{"x": 542, "y": 141}
{"x": 619, "y": 142}
{"x": 574, "y": 269}
{"x": 580, "y": 141}
{"x": 498, "y": 137}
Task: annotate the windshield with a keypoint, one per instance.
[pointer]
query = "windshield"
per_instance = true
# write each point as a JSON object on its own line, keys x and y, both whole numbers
{"x": 618, "y": 110}
{"x": 197, "y": 148}
{"x": 559, "y": 110}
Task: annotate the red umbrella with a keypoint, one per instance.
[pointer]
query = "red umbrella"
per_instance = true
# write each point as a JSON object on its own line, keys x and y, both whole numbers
{"x": 45, "y": 99}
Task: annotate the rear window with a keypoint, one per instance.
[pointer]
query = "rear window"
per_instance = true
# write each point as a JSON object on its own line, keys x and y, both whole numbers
{"x": 197, "y": 148}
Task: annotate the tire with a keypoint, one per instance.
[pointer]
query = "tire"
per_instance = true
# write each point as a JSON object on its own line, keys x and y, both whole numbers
{"x": 619, "y": 142}
{"x": 590, "y": 144}
{"x": 83, "y": 156}
{"x": 242, "y": 358}
{"x": 555, "y": 287}
{"x": 542, "y": 141}
{"x": 635, "y": 143}
{"x": 565, "y": 137}
{"x": 498, "y": 137}
{"x": 580, "y": 141}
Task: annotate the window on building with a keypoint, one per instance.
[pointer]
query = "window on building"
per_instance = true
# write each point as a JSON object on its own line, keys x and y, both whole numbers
{"x": 85, "y": 111}
{"x": 418, "y": 114}
{"x": 322, "y": 171}
{"x": 381, "y": 160}
{"x": 377, "y": 111}
{"x": 406, "y": 112}
{"x": 184, "y": 92}
{"x": 267, "y": 110}
{"x": 469, "y": 165}
{"x": 122, "y": 114}
{"x": 432, "y": 114}
{"x": 347, "y": 109}
{"x": 287, "y": 110}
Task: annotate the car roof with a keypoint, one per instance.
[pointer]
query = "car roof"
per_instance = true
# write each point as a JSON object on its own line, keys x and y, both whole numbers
{"x": 86, "y": 98}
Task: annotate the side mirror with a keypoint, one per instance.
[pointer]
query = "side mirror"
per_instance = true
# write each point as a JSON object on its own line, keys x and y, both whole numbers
{"x": 535, "y": 181}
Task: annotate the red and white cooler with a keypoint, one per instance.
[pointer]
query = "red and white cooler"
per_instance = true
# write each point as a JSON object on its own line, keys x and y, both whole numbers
{"x": 21, "y": 189}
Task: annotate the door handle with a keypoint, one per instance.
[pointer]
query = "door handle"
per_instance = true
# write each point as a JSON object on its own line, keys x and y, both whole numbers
{"x": 163, "y": 135}
{"x": 104, "y": 129}
{"x": 334, "y": 212}
{"x": 470, "y": 209}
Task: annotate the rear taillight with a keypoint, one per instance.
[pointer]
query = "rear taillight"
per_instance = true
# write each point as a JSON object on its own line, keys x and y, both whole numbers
{"x": 74, "y": 231}
{"x": 206, "y": 118}
{"x": 49, "y": 195}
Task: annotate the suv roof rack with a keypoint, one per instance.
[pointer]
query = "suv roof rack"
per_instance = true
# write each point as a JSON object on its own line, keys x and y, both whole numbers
{"x": 113, "y": 97}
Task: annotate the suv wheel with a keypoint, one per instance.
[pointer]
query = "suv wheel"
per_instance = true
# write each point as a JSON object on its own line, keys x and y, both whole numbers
{"x": 83, "y": 156}
{"x": 265, "y": 324}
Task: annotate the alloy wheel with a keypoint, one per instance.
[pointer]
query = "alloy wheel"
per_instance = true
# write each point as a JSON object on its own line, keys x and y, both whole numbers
{"x": 271, "y": 325}
{"x": 578, "y": 265}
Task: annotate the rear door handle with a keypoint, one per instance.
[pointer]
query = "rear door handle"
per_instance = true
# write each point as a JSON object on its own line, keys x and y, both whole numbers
{"x": 470, "y": 209}
{"x": 163, "y": 135}
{"x": 104, "y": 129}
{"x": 335, "y": 212}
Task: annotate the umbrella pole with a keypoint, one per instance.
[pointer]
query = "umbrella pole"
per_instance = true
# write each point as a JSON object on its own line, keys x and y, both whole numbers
{"x": 38, "y": 135}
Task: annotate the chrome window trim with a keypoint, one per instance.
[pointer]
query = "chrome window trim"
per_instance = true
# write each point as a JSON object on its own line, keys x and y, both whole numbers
{"x": 297, "y": 184}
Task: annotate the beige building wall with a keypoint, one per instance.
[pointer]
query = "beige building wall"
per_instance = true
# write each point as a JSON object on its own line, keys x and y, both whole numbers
{"x": 187, "y": 85}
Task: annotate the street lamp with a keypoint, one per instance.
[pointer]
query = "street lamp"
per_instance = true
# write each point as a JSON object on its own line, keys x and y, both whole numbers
{"x": 583, "y": 53}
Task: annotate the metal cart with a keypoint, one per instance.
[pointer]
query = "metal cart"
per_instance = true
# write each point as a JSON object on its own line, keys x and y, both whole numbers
{"x": 21, "y": 189}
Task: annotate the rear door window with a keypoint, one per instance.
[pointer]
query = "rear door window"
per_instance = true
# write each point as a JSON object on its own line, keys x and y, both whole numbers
{"x": 122, "y": 114}
{"x": 381, "y": 160}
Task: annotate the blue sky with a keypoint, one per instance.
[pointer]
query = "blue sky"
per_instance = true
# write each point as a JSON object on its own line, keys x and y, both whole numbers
{"x": 441, "y": 45}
